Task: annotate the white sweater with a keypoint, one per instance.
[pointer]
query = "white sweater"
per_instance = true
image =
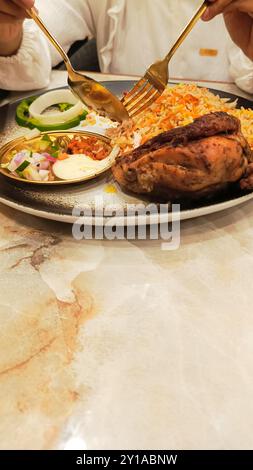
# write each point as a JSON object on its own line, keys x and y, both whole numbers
{"x": 130, "y": 35}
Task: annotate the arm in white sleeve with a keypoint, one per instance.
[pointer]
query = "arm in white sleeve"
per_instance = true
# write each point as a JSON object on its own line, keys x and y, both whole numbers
{"x": 241, "y": 68}
{"x": 30, "y": 68}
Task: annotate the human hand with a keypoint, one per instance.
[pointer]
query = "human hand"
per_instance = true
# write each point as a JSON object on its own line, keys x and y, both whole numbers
{"x": 238, "y": 16}
{"x": 12, "y": 15}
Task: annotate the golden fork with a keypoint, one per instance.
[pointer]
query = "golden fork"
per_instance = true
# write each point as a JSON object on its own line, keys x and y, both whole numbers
{"x": 89, "y": 91}
{"x": 155, "y": 80}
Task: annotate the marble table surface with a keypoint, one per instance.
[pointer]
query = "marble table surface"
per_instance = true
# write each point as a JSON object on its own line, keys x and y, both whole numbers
{"x": 119, "y": 345}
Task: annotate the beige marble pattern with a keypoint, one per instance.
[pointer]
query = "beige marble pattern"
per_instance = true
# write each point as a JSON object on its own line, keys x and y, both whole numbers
{"x": 121, "y": 345}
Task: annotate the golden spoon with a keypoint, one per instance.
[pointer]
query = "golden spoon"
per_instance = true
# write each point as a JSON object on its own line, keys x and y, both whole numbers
{"x": 89, "y": 91}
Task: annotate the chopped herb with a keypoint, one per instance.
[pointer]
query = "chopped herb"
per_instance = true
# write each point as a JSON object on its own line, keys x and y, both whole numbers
{"x": 56, "y": 154}
{"x": 46, "y": 138}
{"x": 64, "y": 106}
{"x": 23, "y": 166}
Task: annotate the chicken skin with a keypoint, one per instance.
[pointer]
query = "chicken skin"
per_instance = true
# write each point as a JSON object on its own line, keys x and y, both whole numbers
{"x": 187, "y": 162}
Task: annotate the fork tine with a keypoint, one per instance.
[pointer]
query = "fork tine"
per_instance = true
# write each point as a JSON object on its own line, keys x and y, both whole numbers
{"x": 139, "y": 97}
{"x": 139, "y": 85}
{"x": 146, "y": 104}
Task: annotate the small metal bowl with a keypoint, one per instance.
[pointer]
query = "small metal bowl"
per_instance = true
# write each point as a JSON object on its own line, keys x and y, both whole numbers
{"x": 17, "y": 144}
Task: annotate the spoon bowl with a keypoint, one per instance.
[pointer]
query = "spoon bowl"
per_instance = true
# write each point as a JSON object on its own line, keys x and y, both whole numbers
{"x": 97, "y": 97}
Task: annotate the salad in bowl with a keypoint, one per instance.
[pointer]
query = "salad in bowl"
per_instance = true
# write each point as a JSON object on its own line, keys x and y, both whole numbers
{"x": 58, "y": 157}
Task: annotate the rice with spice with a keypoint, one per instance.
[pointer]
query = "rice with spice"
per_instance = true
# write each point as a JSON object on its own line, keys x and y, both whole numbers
{"x": 178, "y": 106}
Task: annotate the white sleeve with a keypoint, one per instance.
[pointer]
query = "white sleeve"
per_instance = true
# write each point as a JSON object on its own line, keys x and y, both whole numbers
{"x": 241, "y": 68}
{"x": 30, "y": 68}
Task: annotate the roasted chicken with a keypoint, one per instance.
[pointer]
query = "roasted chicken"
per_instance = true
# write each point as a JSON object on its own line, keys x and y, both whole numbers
{"x": 188, "y": 162}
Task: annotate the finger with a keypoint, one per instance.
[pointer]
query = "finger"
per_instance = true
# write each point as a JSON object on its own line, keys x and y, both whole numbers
{"x": 235, "y": 22}
{"x": 242, "y": 6}
{"x": 216, "y": 7}
{"x": 8, "y": 19}
{"x": 10, "y": 11}
{"x": 27, "y": 5}
{"x": 24, "y": 3}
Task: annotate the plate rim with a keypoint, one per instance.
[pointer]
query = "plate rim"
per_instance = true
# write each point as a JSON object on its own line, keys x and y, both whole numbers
{"x": 131, "y": 220}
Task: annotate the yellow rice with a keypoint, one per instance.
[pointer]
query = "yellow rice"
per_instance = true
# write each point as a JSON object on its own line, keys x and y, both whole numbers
{"x": 178, "y": 106}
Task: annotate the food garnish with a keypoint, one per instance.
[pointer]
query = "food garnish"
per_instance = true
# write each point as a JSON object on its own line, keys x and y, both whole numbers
{"x": 34, "y": 112}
